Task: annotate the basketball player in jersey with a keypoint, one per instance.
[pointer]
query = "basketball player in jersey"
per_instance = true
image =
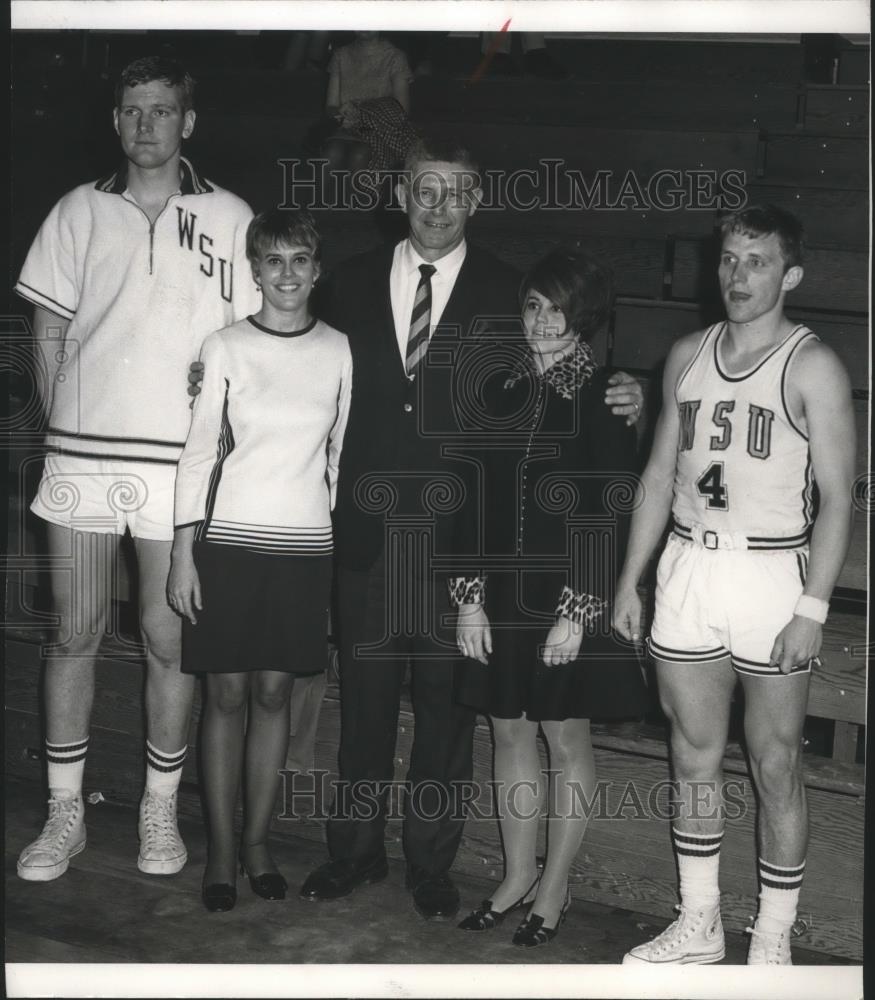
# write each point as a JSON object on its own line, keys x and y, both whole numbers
{"x": 756, "y": 412}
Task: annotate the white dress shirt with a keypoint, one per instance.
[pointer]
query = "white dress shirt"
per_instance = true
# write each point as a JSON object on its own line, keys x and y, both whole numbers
{"x": 404, "y": 278}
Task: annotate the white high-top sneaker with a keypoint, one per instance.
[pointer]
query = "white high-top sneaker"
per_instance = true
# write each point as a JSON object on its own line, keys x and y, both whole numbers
{"x": 162, "y": 851}
{"x": 63, "y": 837}
{"x": 768, "y": 947}
{"x": 695, "y": 938}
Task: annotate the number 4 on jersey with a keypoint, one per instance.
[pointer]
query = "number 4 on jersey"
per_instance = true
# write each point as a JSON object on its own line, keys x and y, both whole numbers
{"x": 710, "y": 485}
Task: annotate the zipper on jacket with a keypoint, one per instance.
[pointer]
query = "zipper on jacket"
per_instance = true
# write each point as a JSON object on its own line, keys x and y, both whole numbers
{"x": 132, "y": 201}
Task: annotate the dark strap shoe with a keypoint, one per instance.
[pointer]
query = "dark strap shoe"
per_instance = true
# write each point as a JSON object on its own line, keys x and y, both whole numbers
{"x": 434, "y": 896}
{"x": 484, "y": 918}
{"x": 531, "y": 932}
{"x": 335, "y": 879}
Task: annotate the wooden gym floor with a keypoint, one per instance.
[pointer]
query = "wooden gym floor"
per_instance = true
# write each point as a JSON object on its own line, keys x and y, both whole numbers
{"x": 104, "y": 910}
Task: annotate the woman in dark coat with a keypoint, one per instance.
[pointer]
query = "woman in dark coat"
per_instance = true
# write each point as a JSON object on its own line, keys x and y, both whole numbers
{"x": 557, "y": 488}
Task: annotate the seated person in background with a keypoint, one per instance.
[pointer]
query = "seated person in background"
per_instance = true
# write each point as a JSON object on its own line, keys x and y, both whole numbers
{"x": 368, "y": 102}
{"x": 252, "y": 550}
{"x": 420, "y": 47}
{"x": 540, "y": 653}
{"x": 307, "y": 51}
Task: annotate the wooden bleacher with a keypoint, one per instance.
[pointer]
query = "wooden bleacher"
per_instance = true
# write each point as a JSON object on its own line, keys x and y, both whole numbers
{"x": 630, "y": 105}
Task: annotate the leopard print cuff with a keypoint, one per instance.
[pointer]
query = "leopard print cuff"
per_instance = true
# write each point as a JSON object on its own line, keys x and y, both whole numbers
{"x": 466, "y": 590}
{"x": 582, "y": 609}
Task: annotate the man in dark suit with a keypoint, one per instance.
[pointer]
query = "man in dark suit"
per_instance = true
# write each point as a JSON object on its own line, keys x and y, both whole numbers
{"x": 408, "y": 310}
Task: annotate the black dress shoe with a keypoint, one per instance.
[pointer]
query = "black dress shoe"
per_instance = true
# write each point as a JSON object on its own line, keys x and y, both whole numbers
{"x": 219, "y": 897}
{"x": 434, "y": 896}
{"x": 338, "y": 878}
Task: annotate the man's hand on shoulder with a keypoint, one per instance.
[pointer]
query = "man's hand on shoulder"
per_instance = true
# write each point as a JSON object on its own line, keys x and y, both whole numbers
{"x": 625, "y": 397}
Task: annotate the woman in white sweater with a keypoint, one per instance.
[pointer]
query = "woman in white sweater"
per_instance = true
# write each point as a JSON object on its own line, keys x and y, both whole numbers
{"x": 251, "y": 561}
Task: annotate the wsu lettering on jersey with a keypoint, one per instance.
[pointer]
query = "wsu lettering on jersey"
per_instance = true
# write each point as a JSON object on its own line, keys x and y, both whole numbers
{"x": 759, "y": 426}
{"x": 743, "y": 463}
{"x": 201, "y": 243}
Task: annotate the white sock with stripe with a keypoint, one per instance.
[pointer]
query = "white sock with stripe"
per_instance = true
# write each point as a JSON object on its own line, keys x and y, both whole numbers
{"x": 66, "y": 767}
{"x": 163, "y": 770}
{"x": 698, "y": 857}
{"x": 779, "y": 896}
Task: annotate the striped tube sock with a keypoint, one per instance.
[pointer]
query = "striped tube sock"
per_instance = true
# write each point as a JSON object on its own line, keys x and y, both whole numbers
{"x": 779, "y": 895}
{"x": 698, "y": 856}
{"x": 66, "y": 766}
{"x": 163, "y": 770}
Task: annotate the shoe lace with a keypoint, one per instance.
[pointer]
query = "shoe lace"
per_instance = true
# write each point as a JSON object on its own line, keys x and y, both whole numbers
{"x": 686, "y": 925}
{"x": 771, "y": 945}
{"x": 62, "y": 816}
{"x": 159, "y": 818}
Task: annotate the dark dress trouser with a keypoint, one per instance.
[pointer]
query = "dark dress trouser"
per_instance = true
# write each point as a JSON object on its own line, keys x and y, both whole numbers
{"x": 439, "y": 775}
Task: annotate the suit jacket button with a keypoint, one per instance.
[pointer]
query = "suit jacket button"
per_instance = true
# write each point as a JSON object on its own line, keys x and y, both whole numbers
{"x": 408, "y": 407}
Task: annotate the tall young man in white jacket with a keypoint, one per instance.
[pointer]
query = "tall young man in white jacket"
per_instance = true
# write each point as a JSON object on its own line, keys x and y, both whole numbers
{"x": 127, "y": 276}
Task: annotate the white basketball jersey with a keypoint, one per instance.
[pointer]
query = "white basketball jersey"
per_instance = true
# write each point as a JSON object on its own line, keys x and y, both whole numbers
{"x": 743, "y": 466}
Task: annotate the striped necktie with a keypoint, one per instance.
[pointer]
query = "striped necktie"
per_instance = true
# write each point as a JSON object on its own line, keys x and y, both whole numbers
{"x": 420, "y": 319}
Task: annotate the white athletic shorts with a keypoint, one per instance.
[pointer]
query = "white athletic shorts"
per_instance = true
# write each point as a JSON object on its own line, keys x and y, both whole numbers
{"x": 718, "y": 603}
{"x": 107, "y": 497}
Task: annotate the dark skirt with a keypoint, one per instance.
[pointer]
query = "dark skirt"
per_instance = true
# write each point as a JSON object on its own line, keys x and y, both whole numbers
{"x": 261, "y": 612}
{"x": 605, "y": 681}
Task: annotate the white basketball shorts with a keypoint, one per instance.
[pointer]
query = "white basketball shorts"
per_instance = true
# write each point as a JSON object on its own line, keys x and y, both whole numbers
{"x": 718, "y": 603}
{"x": 107, "y": 497}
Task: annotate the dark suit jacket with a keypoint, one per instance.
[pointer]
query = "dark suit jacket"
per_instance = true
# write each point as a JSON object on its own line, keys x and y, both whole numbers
{"x": 398, "y": 430}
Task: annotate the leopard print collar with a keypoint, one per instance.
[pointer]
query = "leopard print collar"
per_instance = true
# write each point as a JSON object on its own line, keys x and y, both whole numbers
{"x": 566, "y": 376}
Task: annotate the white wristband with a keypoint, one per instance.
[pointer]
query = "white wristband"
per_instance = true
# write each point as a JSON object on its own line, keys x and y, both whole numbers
{"x": 812, "y": 607}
